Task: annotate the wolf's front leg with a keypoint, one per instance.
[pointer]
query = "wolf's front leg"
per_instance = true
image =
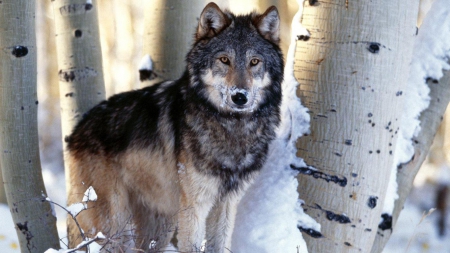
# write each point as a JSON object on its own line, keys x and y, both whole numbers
{"x": 198, "y": 192}
{"x": 220, "y": 223}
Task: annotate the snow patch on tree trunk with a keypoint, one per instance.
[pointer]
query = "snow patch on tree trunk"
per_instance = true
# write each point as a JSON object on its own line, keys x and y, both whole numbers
{"x": 431, "y": 53}
{"x": 270, "y": 213}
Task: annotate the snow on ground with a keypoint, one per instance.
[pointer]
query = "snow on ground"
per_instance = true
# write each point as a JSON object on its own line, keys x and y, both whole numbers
{"x": 411, "y": 235}
{"x": 8, "y": 237}
{"x": 416, "y": 232}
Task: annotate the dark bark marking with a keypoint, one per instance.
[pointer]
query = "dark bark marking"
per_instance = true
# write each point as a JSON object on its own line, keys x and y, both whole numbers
{"x": 19, "y": 51}
{"x": 371, "y": 46}
{"x": 374, "y": 47}
{"x": 348, "y": 142}
{"x": 311, "y": 232}
{"x": 372, "y": 201}
{"x": 75, "y": 9}
{"x": 386, "y": 222}
{"x": 303, "y": 37}
{"x": 432, "y": 80}
{"x": 28, "y": 235}
{"x": 317, "y": 174}
{"x": 78, "y": 33}
{"x": 69, "y": 75}
{"x": 341, "y": 218}
{"x": 147, "y": 74}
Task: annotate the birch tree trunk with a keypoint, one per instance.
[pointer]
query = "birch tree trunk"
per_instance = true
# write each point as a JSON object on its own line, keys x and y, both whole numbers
{"x": 2, "y": 188}
{"x": 168, "y": 34}
{"x": 430, "y": 120}
{"x": 350, "y": 72}
{"x": 20, "y": 163}
{"x": 80, "y": 72}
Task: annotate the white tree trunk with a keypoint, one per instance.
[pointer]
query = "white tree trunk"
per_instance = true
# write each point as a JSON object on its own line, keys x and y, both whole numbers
{"x": 2, "y": 188}
{"x": 20, "y": 163}
{"x": 430, "y": 121}
{"x": 350, "y": 72}
{"x": 80, "y": 72}
{"x": 169, "y": 30}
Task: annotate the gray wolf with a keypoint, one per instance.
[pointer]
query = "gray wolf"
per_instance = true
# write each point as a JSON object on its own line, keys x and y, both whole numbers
{"x": 180, "y": 154}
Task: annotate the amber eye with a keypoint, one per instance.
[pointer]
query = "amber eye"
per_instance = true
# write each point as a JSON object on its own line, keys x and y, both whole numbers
{"x": 225, "y": 60}
{"x": 254, "y": 62}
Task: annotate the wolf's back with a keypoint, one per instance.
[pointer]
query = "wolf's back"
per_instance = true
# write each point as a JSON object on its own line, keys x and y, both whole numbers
{"x": 129, "y": 118}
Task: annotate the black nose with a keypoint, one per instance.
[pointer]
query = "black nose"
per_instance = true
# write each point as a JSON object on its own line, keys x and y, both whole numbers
{"x": 239, "y": 98}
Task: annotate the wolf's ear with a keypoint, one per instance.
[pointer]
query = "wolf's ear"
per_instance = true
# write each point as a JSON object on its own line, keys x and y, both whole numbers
{"x": 212, "y": 21}
{"x": 268, "y": 24}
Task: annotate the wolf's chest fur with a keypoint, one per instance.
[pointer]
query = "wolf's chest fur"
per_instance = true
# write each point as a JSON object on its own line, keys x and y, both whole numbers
{"x": 228, "y": 145}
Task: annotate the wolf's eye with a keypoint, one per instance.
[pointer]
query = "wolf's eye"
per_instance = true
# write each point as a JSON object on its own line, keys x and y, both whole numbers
{"x": 225, "y": 60}
{"x": 254, "y": 62}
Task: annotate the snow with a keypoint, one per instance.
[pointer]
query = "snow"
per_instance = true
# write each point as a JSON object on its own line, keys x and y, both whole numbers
{"x": 76, "y": 208}
{"x": 91, "y": 242}
{"x": 270, "y": 212}
{"x": 8, "y": 237}
{"x": 417, "y": 229}
{"x": 146, "y": 63}
{"x": 431, "y": 53}
{"x": 89, "y": 195}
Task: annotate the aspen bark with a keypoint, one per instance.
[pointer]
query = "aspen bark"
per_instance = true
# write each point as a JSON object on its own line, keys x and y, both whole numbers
{"x": 350, "y": 72}
{"x": 170, "y": 26}
{"x": 2, "y": 188}
{"x": 430, "y": 120}
{"x": 20, "y": 163}
{"x": 79, "y": 54}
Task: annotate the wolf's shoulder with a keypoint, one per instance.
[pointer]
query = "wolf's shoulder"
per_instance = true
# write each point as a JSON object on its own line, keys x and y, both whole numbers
{"x": 125, "y": 118}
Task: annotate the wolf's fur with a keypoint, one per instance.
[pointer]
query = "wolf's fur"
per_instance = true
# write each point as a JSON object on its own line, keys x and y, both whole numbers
{"x": 181, "y": 154}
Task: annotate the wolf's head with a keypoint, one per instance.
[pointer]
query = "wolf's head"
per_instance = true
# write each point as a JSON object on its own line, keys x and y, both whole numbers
{"x": 236, "y": 64}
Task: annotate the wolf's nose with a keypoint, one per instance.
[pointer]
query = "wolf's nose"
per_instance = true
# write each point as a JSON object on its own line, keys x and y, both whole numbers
{"x": 239, "y": 98}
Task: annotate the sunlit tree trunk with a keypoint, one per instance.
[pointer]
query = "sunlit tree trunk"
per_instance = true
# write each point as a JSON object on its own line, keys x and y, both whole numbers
{"x": 168, "y": 34}
{"x": 80, "y": 71}
{"x": 430, "y": 120}
{"x": 20, "y": 163}
{"x": 350, "y": 72}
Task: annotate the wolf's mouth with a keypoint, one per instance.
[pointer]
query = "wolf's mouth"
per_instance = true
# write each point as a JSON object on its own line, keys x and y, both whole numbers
{"x": 240, "y": 100}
